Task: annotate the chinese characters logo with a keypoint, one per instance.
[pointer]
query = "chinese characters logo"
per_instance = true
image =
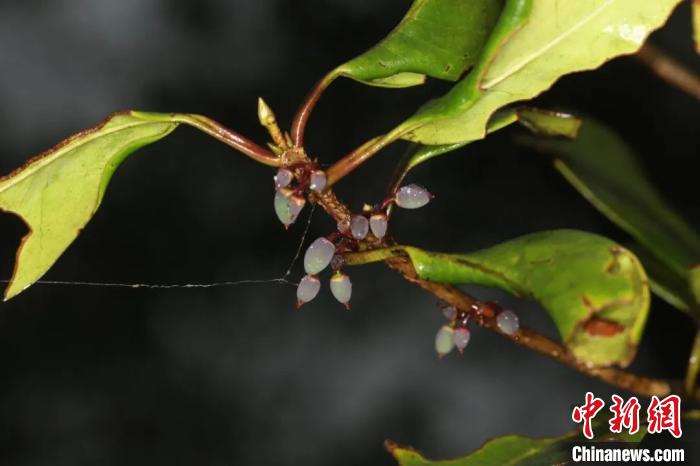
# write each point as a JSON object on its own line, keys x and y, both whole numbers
{"x": 662, "y": 415}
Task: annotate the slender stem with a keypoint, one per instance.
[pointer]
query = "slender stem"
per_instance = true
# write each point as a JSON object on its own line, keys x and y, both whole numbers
{"x": 304, "y": 111}
{"x": 669, "y": 70}
{"x": 693, "y": 365}
{"x": 356, "y": 158}
{"x": 395, "y": 259}
{"x": 230, "y": 138}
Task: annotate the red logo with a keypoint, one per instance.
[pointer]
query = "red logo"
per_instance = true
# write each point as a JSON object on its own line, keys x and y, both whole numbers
{"x": 587, "y": 412}
{"x": 624, "y": 415}
{"x": 661, "y": 415}
{"x": 665, "y": 415}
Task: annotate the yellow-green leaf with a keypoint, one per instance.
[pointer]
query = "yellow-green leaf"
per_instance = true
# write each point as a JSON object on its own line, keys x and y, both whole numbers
{"x": 537, "y": 120}
{"x": 594, "y": 290}
{"x": 437, "y": 38}
{"x": 607, "y": 173}
{"x": 58, "y": 192}
{"x": 534, "y": 43}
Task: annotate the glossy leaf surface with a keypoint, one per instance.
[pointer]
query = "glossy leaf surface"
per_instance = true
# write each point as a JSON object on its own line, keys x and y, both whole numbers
{"x": 58, "y": 192}
{"x": 594, "y": 290}
{"x": 534, "y": 43}
{"x": 436, "y": 38}
{"x": 537, "y": 120}
{"x": 606, "y": 172}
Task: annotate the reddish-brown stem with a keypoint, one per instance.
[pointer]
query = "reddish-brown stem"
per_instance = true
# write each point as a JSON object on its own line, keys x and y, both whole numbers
{"x": 669, "y": 70}
{"x": 396, "y": 260}
{"x": 356, "y": 158}
{"x": 304, "y": 111}
{"x": 232, "y": 138}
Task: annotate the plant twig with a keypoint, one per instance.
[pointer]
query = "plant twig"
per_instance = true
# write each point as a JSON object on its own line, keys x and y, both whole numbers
{"x": 304, "y": 112}
{"x": 229, "y": 137}
{"x": 396, "y": 260}
{"x": 669, "y": 70}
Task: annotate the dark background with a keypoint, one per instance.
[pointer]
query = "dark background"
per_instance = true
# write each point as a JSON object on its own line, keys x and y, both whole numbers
{"x": 233, "y": 375}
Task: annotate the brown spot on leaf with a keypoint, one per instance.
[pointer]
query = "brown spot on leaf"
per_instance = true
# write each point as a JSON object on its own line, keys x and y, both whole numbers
{"x": 602, "y": 328}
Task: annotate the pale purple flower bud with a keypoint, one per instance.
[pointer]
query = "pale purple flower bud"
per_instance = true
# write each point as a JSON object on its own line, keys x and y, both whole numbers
{"x": 444, "y": 341}
{"x": 317, "y": 181}
{"x": 412, "y": 196}
{"x": 450, "y": 312}
{"x": 508, "y": 322}
{"x": 318, "y": 256}
{"x": 283, "y": 178}
{"x": 341, "y": 287}
{"x": 288, "y": 206}
{"x": 378, "y": 223}
{"x": 359, "y": 227}
{"x": 461, "y": 338}
{"x": 307, "y": 290}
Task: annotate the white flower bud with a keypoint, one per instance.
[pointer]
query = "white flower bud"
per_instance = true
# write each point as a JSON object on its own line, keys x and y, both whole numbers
{"x": 359, "y": 227}
{"x": 341, "y": 287}
{"x": 378, "y": 223}
{"x": 317, "y": 181}
{"x": 444, "y": 341}
{"x": 307, "y": 290}
{"x": 318, "y": 256}
{"x": 412, "y": 196}
{"x": 508, "y": 322}
{"x": 461, "y": 338}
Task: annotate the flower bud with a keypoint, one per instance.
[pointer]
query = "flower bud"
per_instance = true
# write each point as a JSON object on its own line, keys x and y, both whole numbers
{"x": 288, "y": 206}
{"x": 283, "y": 178}
{"x": 378, "y": 224}
{"x": 412, "y": 196}
{"x": 307, "y": 290}
{"x": 341, "y": 287}
{"x": 450, "y": 312}
{"x": 359, "y": 227}
{"x": 461, "y": 338}
{"x": 318, "y": 256}
{"x": 508, "y": 322}
{"x": 317, "y": 181}
{"x": 444, "y": 341}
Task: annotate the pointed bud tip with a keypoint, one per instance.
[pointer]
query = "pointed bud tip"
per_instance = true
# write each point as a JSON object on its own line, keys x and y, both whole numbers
{"x": 265, "y": 114}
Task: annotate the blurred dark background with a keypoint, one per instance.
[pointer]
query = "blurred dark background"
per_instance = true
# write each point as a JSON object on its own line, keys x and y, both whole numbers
{"x": 233, "y": 375}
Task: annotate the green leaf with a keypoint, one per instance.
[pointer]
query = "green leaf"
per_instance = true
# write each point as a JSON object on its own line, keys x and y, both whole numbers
{"x": 516, "y": 450}
{"x": 606, "y": 172}
{"x": 694, "y": 280}
{"x": 594, "y": 290}
{"x": 533, "y": 44}
{"x": 58, "y": 192}
{"x": 437, "y": 38}
{"x": 548, "y": 123}
{"x": 540, "y": 121}
{"x": 664, "y": 282}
